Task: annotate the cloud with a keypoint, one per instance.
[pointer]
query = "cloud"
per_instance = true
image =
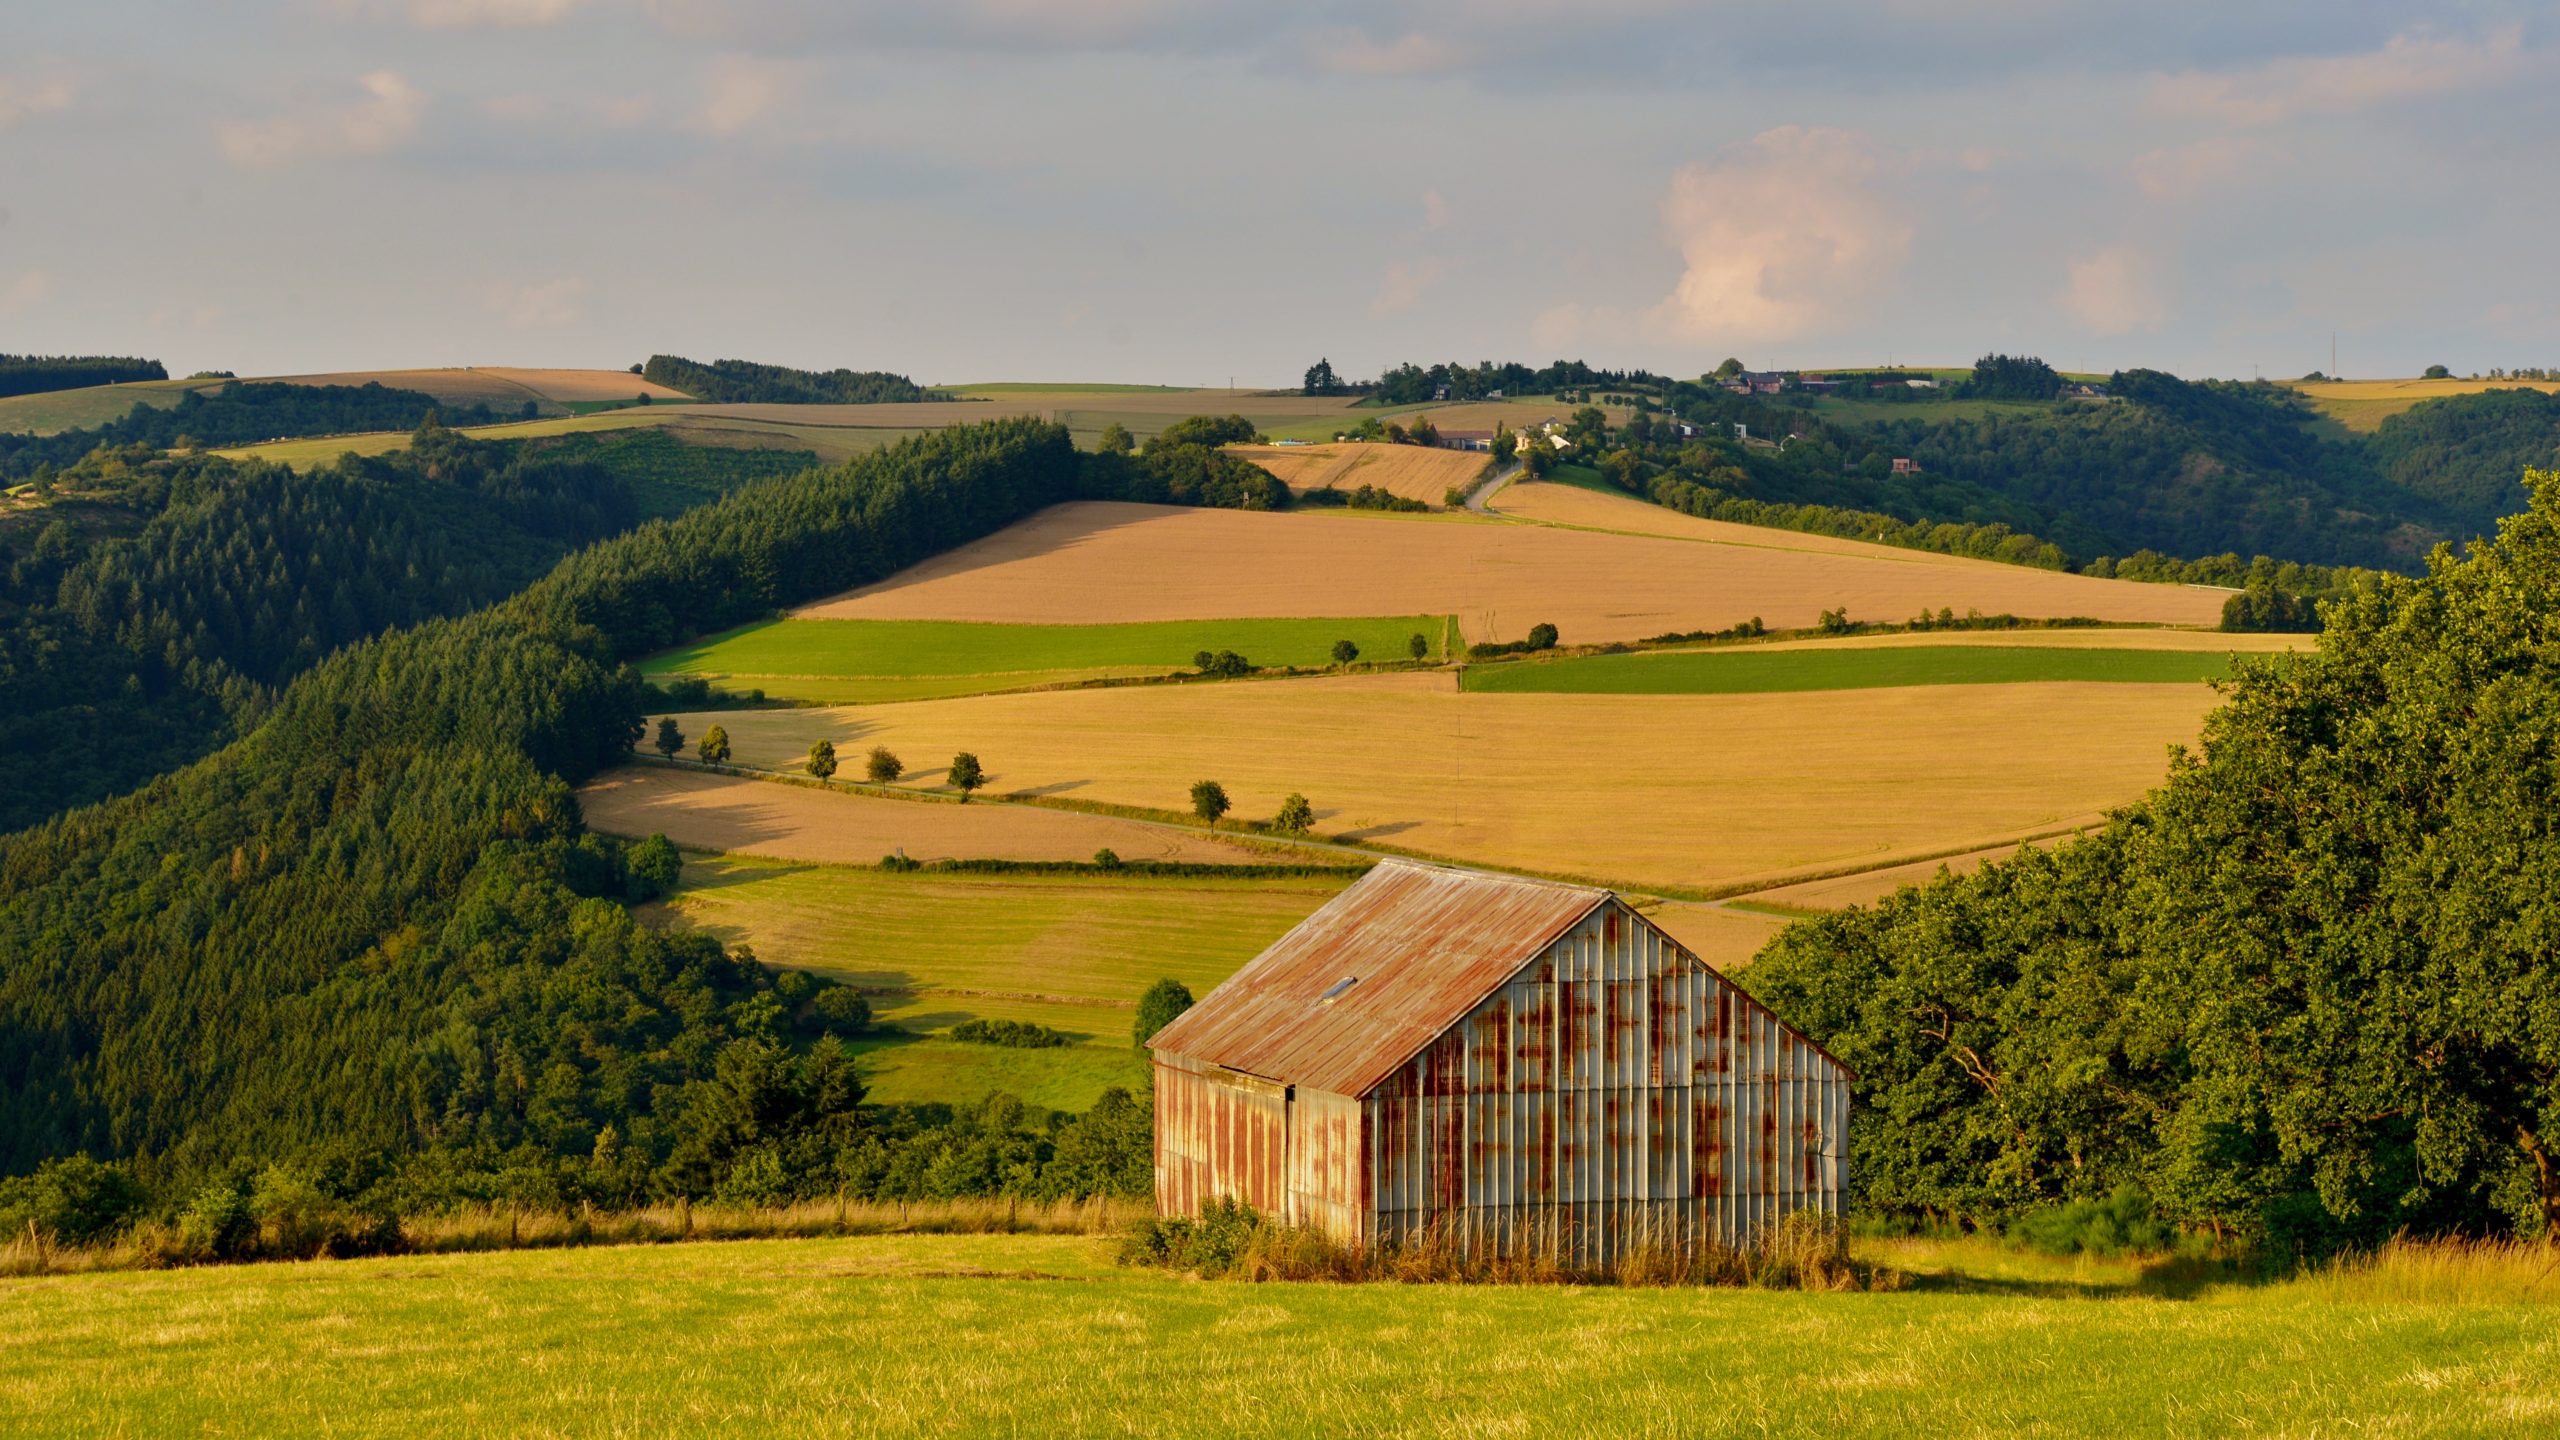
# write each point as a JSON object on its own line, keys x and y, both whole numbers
{"x": 1779, "y": 234}
{"x": 2409, "y": 67}
{"x": 1404, "y": 285}
{"x": 539, "y": 307}
{"x": 2112, "y": 293}
{"x": 1435, "y": 211}
{"x": 2182, "y": 172}
{"x": 739, "y": 91}
{"x": 23, "y": 100}
{"x": 26, "y": 292}
{"x": 385, "y": 119}
{"x": 1414, "y": 53}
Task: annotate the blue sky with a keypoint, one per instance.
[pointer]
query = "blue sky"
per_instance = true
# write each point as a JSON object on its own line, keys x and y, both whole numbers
{"x": 1148, "y": 190}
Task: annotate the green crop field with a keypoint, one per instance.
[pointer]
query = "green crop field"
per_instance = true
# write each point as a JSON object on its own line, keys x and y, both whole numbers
{"x": 1739, "y": 672}
{"x": 902, "y": 1335}
{"x": 91, "y": 405}
{"x": 1072, "y": 952}
{"x": 837, "y": 661}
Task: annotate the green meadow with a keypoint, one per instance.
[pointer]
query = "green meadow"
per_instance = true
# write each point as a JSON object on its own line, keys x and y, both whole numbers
{"x": 900, "y": 1335}
{"x": 1741, "y": 672}
{"x": 841, "y": 660}
{"x": 930, "y": 950}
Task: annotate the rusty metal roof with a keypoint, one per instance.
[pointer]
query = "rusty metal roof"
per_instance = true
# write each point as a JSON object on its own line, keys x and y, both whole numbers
{"x": 1420, "y": 946}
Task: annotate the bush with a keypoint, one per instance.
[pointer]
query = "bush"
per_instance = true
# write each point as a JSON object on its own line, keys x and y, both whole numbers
{"x": 2125, "y": 1223}
{"x": 1163, "y": 1004}
{"x": 655, "y": 867}
{"x": 841, "y": 1010}
{"x": 1224, "y": 665}
{"x": 70, "y": 1201}
{"x": 1835, "y": 622}
{"x": 1107, "y": 858}
{"x": 1419, "y": 647}
{"x": 1344, "y": 652}
{"x": 1012, "y": 1034}
{"x": 1542, "y": 636}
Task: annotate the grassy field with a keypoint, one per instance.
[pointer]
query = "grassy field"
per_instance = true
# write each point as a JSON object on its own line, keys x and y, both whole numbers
{"x": 1688, "y": 792}
{"x": 1106, "y": 562}
{"x": 1039, "y": 1335}
{"x": 1416, "y": 472}
{"x": 1757, "y": 671}
{"x": 89, "y": 406}
{"x": 2362, "y": 405}
{"x": 804, "y": 822}
{"x": 783, "y": 657}
{"x": 1072, "y": 952}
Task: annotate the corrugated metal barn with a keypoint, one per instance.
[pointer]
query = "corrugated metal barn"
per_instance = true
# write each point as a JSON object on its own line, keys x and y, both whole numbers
{"x": 1512, "y": 1063}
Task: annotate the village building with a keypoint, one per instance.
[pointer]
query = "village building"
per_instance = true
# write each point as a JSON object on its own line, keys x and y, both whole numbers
{"x": 1512, "y": 1064}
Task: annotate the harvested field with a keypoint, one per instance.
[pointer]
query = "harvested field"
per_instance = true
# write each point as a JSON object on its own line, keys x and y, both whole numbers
{"x": 1733, "y": 791}
{"x": 582, "y": 386}
{"x": 2362, "y": 405}
{"x": 1757, "y": 669}
{"x": 930, "y": 951}
{"x": 706, "y": 811}
{"x": 1100, "y": 561}
{"x": 499, "y": 387}
{"x": 1868, "y": 886}
{"x": 1724, "y": 937}
{"x": 1416, "y": 472}
{"x": 690, "y": 423}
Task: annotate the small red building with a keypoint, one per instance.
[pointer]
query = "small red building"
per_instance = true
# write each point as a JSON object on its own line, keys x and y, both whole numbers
{"x": 1513, "y": 1062}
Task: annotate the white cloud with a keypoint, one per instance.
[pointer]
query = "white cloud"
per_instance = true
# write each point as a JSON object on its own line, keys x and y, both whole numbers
{"x": 739, "y": 91}
{"x": 26, "y": 292}
{"x": 2111, "y": 291}
{"x": 1405, "y": 282}
{"x": 2409, "y": 67}
{"x": 385, "y": 119}
{"x": 1780, "y": 235}
{"x": 539, "y": 307}
{"x": 22, "y": 100}
{"x": 1414, "y": 53}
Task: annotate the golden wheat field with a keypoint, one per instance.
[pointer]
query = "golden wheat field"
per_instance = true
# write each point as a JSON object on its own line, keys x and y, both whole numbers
{"x": 706, "y": 811}
{"x": 1416, "y": 472}
{"x": 1724, "y": 937}
{"x": 2363, "y": 405}
{"x": 1105, "y": 561}
{"x": 1694, "y": 791}
{"x": 499, "y": 387}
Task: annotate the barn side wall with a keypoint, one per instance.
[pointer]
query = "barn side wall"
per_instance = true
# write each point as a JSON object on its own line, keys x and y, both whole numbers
{"x": 1218, "y": 1134}
{"x": 1614, "y": 1094}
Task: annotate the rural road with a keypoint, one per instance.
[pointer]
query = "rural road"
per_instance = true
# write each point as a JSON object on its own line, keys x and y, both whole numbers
{"x": 1485, "y": 492}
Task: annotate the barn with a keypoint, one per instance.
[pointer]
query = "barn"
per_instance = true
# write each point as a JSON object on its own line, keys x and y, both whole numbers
{"x": 1509, "y": 1063}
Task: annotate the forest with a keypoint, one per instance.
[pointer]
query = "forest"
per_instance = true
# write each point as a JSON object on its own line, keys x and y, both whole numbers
{"x": 366, "y": 954}
{"x": 35, "y": 374}
{"x": 740, "y": 382}
{"x": 240, "y": 413}
{"x": 2301, "y": 997}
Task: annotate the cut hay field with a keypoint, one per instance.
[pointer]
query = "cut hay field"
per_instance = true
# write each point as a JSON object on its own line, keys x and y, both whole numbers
{"x": 2362, "y": 405}
{"x": 1038, "y": 1335}
{"x": 1108, "y": 562}
{"x": 709, "y": 811}
{"x": 1761, "y": 670}
{"x": 839, "y": 660}
{"x": 1692, "y": 792}
{"x": 1072, "y": 952}
{"x": 1416, "y": 472}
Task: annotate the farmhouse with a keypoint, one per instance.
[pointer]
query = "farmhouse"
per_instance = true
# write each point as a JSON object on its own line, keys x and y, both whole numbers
{"x": 1513, "y": 1064}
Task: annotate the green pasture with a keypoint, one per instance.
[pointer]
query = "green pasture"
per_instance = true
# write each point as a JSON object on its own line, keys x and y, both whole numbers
{"x": 91, "y": 405}
{"x": 1754, "y": 671}
{"x": 914, "y": 1335}
{"x": 830, "y": 443}
{"x": 837, "y": 660}
{"x": 1072, "y": 952}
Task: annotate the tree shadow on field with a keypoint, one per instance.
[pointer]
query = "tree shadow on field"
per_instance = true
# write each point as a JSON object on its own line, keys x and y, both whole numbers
{"x": 1056, "y": 788}
{"x": 1377, "y": 832}
{"x": 701, "y": 875}
{"x": 2168, "y": 1277}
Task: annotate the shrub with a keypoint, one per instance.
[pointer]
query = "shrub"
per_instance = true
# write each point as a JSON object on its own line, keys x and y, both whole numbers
{"x": 1107, "y": 858}
{"x": 71, "y": 1201}
{"x": 2126, "y": 1222}
{"x": 1012, "y": 1034}
{"x": 1542, "y": 636}
{"x": 1224, "y": 665}
{"x": 1344, "y": 652}
{"x": 1835, "y": 622}
{"x": 842, "y": 1010}
{"x": 655, "y": 866}
{"x": 881, "y": 766}
{"x": 1419, "y": 647}
{"x": 1163, "y": 1004}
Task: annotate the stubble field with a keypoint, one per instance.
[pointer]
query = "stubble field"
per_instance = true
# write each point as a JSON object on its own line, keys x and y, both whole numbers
{"x": 1415, "y": 472}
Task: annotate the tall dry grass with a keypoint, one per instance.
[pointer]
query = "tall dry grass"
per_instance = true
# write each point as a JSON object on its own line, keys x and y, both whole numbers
{"x": 156, "y": 1246}
{"x": 2439, "y": 1272}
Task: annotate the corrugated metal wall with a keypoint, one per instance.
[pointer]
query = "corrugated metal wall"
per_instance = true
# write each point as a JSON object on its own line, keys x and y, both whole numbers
{"x": 1218, "y": 1133}
{"x": 1614, "y": 1094}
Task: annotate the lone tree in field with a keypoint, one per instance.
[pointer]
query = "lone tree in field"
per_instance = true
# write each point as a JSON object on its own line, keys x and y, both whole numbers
{"x": 1163, "y": 1004}
{"x": 1344, "y": 652}
{"x": 1296, "y": 816}
{"x": 714, "y": 748}
{"x": 1419, "y": 647}
{"x": 966, "y": 774}
{"x": 670, "y": 739}
{"x": 1116, "y": 440}
{"x": 1209, "y": 801}
{"x": 881, "y": 766}
{"x": 822, "y": 759}
{"x": 1542, "y": 636}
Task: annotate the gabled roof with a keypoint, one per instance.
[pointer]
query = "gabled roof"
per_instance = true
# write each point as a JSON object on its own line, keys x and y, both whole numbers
{"x": 1421, "y": 944}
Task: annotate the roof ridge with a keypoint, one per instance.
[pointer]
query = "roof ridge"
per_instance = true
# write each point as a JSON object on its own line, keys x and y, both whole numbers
{"x": 1473, "y": 872}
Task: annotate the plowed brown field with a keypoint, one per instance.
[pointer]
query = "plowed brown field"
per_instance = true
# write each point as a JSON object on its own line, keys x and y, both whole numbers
{"x": 1675, "y": 790}
{"x": 1416, "y": 472}
{"x": 707, "y": 811}
{"x": 1098, "y": 561}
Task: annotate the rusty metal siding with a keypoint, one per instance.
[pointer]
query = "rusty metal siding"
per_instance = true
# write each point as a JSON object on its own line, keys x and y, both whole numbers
{"x": 1218, "y": 1135}
{"x": 1614, "y": 1093}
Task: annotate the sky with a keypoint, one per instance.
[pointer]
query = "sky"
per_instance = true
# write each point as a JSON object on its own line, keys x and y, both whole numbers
{"x": 1189, "y": 193}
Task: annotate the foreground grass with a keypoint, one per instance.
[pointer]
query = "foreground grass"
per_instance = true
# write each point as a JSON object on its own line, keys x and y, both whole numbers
{"x": 1010, "y": 1334}
{"x": 790, "y": 657}
{"x": 1743, "y": 672}
{"x": 1072, "y": 952}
